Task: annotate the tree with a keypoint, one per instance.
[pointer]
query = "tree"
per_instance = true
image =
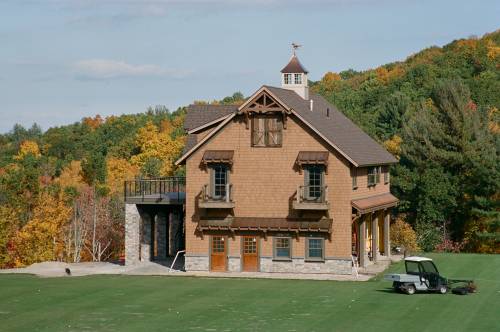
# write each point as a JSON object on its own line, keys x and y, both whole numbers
{"x": 41, "y": 239}
{"x": 448, "y": 149}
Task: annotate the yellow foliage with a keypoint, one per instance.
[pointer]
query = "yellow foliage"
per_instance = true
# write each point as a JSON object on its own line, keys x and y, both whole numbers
{"x": 41, "y": 239}
{"x": 493, "y": 122}
{"x": 330, "y": 79}
{"x": 71, "y": 176}
{"x": 118, "y": 171}
{"x": 493, "y": 49}
{"x": 393, "y": 145}
{"x": 27, "y": 148}
{"x": 94, "y": 122}
{"x": 159, "y": 145}
{"x": 403, "y": 235}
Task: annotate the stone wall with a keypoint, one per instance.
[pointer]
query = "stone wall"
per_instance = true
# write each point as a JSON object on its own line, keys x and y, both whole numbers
{"x": 196, "y": 263}
{"x": 234, "y": 264}
{"x": 299, "y": 265}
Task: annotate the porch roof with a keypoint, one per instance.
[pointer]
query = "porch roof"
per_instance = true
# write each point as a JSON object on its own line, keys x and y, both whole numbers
{"x": 312, "y": 157}
{"x": 218, "y": 156}
{"x": 374, "y": 203}
{"x": 323, "y": 225}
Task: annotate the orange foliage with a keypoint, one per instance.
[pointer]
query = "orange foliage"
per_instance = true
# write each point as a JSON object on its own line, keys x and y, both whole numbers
{"x": 93, "y": 123}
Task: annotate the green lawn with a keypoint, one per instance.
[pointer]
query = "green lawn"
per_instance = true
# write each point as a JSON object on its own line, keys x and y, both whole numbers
{"x": 129, "y": 303}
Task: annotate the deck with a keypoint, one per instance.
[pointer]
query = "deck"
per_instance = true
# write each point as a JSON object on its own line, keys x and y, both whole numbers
{"x": 166, "y": 191}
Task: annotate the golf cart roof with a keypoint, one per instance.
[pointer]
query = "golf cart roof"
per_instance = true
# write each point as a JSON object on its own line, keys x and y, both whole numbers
{"x": 417, "y": 259}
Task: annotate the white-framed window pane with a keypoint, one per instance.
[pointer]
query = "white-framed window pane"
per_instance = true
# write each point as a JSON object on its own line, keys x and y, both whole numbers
{"x": 288, "y": 78}
{"x": 297, "y": 78}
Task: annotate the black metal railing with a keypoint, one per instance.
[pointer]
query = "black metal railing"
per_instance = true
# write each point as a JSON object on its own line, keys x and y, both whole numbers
{"x": 159, "y": 188}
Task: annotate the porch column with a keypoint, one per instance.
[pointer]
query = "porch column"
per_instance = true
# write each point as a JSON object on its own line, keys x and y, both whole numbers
{"x": 362, "y": 242}
{"x": 146, "y": 247}
{"x": 387, "y": 234}
{"x": 162, "y": 234}
{"x": 175, "y": 227}
{"x": 132, "y": 234}
{"x": 374, "y": 222}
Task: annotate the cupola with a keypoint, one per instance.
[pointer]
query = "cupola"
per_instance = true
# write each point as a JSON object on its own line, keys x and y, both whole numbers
{"x": 294, "y": 76}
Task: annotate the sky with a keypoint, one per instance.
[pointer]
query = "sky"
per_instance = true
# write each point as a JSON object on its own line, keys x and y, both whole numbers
{"x": 62, "y": 60}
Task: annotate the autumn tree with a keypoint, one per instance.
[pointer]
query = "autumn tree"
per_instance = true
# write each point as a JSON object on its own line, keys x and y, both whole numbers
{"x": 42, "y": 238}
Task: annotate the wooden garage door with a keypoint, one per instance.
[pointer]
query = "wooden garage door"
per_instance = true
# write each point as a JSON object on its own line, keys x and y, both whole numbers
{"x": 218, "y": 261}
{"x": 250, "y": 253}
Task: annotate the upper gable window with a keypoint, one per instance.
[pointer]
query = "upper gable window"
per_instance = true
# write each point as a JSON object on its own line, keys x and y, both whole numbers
{"x": 297, "y": 79}
{"x": 267, "y": 131}
{"x": 288, "y": 78}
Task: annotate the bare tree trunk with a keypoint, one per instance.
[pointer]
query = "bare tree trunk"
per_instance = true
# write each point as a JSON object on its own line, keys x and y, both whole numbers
{"x": 94, "y": 220}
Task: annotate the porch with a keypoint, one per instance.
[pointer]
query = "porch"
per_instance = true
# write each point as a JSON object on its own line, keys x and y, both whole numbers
{"x": 371, "y": 228}
{"x": 154, "y": 219}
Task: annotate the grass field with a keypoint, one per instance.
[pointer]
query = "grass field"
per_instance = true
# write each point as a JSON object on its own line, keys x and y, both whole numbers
{"x": 129, "y": 303}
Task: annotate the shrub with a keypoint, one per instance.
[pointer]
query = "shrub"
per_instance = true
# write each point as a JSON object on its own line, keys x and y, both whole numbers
{"x": 403, "y": 235}
{"x": 450, "y": 246}
{"x": 428, "y": 236}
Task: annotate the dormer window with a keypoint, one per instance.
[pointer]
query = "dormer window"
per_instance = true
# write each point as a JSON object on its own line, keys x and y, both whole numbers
{"x": 288, "y": 78}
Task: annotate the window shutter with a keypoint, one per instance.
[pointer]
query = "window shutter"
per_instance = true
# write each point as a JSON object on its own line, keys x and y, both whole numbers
{"x": 258, "y": 131}
{"x": 377, "y": 172}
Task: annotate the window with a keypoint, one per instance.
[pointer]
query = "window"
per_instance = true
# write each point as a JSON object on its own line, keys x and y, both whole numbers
{"x": 373, "y": 175}
{"x": 297, "y": 78}
{"x": 219, "y": 181}
{"x": 282, "y": 248}
{"x": 288, "y": 78}
{"x": 218, "y": 245}
{"x": 267, "y": 131}
{"x": 387, "y": 175}
{"x": 354, "y": 178}
{"x": 315, "y": 249}
{"x": 327, "y": 112}
{"x": 314, "y": 182}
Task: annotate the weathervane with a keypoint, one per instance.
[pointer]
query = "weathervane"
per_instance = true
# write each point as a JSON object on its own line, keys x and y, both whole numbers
{"x": 295, "y": 47}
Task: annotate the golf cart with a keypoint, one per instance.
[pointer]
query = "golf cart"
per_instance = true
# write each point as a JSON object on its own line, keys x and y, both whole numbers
{"x": 422, "y": 275}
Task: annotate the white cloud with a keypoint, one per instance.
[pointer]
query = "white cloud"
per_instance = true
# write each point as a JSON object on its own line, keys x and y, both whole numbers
{"x": 108, "y": 69}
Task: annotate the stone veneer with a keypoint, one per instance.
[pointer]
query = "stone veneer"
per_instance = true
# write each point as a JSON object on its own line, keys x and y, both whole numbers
{"x": 196, "y": 263}
{"x": 299, "y": 265}
{"x": 234, "y": 264}
{"x": 161, "y": 235}
{"x": 132, "y": 230}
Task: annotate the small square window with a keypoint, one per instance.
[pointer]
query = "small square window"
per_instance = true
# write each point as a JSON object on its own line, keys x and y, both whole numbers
{"x": 282, "y": 248}
{"x": 297, "y": 79}
{"x": 315, "y": 249}
{"x": 288, "y": 78}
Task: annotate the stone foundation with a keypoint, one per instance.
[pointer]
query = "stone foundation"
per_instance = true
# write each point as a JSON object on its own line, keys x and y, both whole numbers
{"x": 299, "y": 265}
{"x": 234, "y": 264}
{"x": 196, "y": 263}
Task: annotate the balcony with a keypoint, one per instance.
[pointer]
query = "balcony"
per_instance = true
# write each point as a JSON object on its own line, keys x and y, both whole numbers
{"x": 216, "y": 198}
{"x": 167, "y": 190}
{"x": 311, "y": 198}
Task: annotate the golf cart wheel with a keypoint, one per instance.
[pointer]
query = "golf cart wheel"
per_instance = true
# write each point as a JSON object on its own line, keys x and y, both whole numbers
{"x": 410, "y": 289}
{"x": 443, "y": 289}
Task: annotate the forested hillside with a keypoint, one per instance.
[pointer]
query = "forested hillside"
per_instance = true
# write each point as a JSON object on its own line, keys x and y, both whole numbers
{"x": 437, "y": 111}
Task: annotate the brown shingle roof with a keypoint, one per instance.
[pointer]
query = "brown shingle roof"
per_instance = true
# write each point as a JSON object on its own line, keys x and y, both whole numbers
{"x": 374, "y": 203}
{"x": 312, "y": 157}
{"x": 337, "y": 128}
{"x": 294, "y": 66}
{"x": 190, "y": 143}
{"x": 198, "y": 115}
{"x": 352, "y": 142}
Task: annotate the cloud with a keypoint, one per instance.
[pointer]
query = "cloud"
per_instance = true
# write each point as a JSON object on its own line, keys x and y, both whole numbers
{"x": 101, "y": 69}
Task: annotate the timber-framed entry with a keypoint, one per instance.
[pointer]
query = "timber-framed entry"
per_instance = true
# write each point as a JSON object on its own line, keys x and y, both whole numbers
{"x": 218, "y": 253}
